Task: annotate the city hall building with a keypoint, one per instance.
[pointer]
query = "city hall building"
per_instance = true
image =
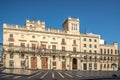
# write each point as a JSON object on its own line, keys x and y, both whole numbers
{"x": 33, "y": 46}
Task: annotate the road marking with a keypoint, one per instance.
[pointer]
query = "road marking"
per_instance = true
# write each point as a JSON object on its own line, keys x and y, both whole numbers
{"x": 68, "y": 75}
{"x": 44, "y": 75}
{"x": 78, "y": 76}
{"x": 5, "y": 76}
{"x": 61, "y": 75}
{"x": 53, "y": 75}
{"x": 17, "y": 77}
{"x": 35, "y": 75}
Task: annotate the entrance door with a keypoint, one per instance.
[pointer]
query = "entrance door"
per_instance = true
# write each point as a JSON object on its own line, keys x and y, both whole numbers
{"x": 74, "y": 63}
{"x": 33, "y": 62}
{"x": 63, "y": 65}
{"x": 44, "y": 62}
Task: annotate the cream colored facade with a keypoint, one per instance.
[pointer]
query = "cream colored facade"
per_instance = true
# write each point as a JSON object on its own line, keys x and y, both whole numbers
{"x": 35, "y": 47}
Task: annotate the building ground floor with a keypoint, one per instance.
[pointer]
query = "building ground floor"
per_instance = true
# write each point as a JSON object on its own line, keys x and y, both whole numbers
{"x": 57, "y": 61}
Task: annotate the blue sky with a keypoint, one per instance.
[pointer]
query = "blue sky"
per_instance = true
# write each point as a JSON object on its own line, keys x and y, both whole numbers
{"x": 96, "y": 16}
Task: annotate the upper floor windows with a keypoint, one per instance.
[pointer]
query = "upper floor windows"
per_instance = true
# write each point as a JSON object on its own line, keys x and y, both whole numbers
{"x": 63, "y": 48}
{"x": 95, "y": 40}
{"x": 84, "y": 39}
{"x": 74, "y": 41}
{"x": 63, "y": 42}
{"x": 11, "y": 44}
{"x": 11, "y": 35}
{"x": 33, "y": 36}
{"x": 85, "y": 45}
{"x": 90, "y": 40}
{"x": 53, "y": 47}
{"x": 101, "y": 51}
{"x": 74, "y": 49}
{"x": 90, "y": 45}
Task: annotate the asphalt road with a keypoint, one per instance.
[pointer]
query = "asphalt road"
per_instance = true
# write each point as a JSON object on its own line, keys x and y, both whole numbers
{"x": 63, "y": 75}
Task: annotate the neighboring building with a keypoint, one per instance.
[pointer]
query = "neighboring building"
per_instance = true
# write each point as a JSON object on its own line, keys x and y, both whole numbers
{"x": 35, "y": 47}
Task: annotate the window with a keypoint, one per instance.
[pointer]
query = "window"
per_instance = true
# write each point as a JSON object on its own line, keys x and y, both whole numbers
{"x": 84, "y": 45}
{"x": 104, "y": 65}
{"x": 108, "y": 66}
{"x": 116, "y": 51}
{"x": 111, "y": 51}
{"x": 44, "y": 37}
{"x": 74, "y": 42}
{"x": 90, "y": 45}
{"x": 11, "y": 35}
{"x": 90, "y": 51}
{"x": 74, "y": 49}
{"x": 95, "y": 65}
{"x": 104, "y": 51}
{"x": 54, "y": 57}
{"x": 104, "y": 58}
{"x": 63, "y": 42}
{"x": 95, "y": 40}
{"x": 95, "y": 46}
{"x": 90, "y": 57}
{"x": 101, "y": 51}
{"x": 53, "y": 47}
{"x": 53, "y": 38}
{"x": 33, "y": 46}
{"x": 95, "y": 51}
{"x": 63, "y": 57}
{"x": 90, "y": 66}
{"x": 84, "y": 39}
{"x": 63, "y": 48}
{"x": 108, "y": 51}
{"x": 90, "y": 40}
{"x": 54, "y": 63}
{"x": 33, "y": 36}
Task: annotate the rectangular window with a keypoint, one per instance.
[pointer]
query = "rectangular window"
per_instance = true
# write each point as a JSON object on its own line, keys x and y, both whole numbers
{"x": 54, "y": 63}
{"x": 90, "y": 66}
{"x": 74, "y": 49}
{"x": 95, "y": 65}
{"x": 53, "y": 47}
{"x": 54, "y": 57}
{"x": 33, "y": 46}
{"x": 95, "y": 46}
{"x": 11, "y": 35}
{"x": 84, "y": 45}
{"x": 84, "y": 39}
{"x": 63, "y": 48}
{"x": 90, "y": 45}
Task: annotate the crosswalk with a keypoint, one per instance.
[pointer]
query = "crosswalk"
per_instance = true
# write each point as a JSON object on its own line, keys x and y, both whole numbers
{"x": 42, "y": 75}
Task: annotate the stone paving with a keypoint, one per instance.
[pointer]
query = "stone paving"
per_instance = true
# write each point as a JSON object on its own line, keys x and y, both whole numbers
{"x": 19, "y": 71}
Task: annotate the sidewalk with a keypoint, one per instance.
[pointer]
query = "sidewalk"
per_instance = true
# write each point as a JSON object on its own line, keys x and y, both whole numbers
{"x": 23, "y": 72}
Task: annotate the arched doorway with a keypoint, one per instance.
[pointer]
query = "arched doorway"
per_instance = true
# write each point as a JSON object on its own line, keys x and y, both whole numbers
{"x": 74, "y": 63}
